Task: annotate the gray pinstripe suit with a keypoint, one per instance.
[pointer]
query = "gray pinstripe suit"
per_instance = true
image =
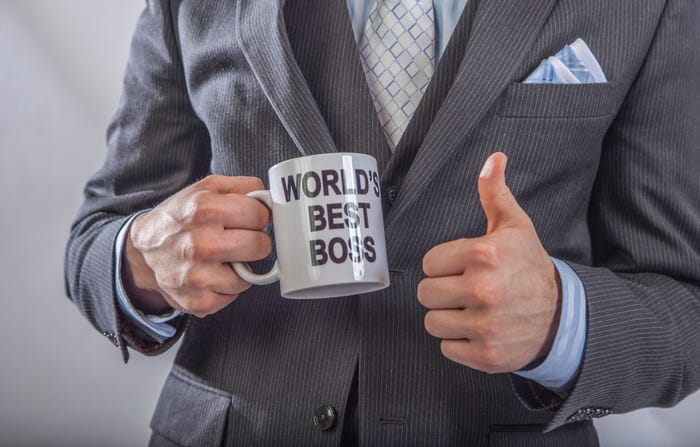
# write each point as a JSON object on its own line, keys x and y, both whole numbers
{"x": 607, "y": 172}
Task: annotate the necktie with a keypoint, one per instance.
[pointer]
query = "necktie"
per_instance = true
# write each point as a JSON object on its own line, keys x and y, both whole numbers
{"x": 397, "y": 51}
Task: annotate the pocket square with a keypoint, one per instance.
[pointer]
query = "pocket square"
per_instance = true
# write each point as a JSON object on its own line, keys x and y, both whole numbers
{"x": 573, "y": 64}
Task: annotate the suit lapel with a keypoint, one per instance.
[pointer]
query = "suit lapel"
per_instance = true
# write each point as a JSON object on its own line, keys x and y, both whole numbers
{"x": 502, "y": 32}
{"x": 260, "y": 30}
{"x": 327, "y": 56}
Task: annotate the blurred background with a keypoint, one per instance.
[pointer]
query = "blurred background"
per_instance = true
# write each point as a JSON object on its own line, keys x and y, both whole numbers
{"x": 61, "y": 383}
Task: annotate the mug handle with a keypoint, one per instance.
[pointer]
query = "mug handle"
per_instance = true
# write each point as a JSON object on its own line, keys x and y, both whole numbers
{"x": 273, "y": 275}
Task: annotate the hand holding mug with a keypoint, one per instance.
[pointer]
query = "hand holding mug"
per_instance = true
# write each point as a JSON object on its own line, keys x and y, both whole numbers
{"x": 179, "y": 253}
{"x": 329, "y": 233}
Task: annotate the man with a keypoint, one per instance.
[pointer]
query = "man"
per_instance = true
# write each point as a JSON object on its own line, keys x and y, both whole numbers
{"x": 511, "y": 319}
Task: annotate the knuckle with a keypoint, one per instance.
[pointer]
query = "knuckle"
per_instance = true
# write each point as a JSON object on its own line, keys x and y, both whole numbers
{"x": 196, "y": 249}
{"x": 200, "y": 210}
{"x": 488, "y": 292}
{"x": 485, "y": 252}
{"x": 208, "y": 182}
{"x": 196, "y": 279}
{"x": 484, "y": 328}
{"x": 204, "y": 251}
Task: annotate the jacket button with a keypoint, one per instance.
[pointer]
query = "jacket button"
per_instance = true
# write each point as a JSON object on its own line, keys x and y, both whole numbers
{"x": 324, "y": 417}
{"x": 392, "y": 192}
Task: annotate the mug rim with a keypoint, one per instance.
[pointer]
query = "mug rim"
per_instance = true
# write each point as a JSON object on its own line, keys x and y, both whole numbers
{"x": 318, "y": 156}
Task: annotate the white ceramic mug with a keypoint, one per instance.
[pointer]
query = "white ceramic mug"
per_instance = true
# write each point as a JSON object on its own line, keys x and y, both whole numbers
{"x": 329, "y": 227}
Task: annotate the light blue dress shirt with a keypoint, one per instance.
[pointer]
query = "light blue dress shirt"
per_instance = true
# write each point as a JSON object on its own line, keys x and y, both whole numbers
{"x": 556, "y": 371}
{"x": 154, "y": 325}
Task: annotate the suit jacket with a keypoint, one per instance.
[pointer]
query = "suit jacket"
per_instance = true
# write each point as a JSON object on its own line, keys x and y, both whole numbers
{"x": 607, "y": 172}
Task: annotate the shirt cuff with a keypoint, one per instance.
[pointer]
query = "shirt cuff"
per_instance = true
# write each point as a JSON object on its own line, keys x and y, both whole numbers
{"x": 154, "y": 325}
{"x": 558, "y": 370}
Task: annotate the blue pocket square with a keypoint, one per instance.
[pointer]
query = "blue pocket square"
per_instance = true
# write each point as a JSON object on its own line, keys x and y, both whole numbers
{"x": 573, "y": 64}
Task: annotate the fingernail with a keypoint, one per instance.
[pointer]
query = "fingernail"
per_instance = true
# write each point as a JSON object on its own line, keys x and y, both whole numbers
{"x": 488, "y": 167}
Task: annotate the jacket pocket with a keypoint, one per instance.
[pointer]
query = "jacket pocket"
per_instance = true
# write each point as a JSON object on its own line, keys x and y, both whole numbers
{"x": 558, "y": 100}
{"x": 578, "y": 434}
{"x": 189, "y": 412}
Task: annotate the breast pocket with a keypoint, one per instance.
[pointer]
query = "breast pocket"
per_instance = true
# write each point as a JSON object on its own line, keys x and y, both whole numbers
{"x": 553, "y": 135}
{"x": 189, "y": 413}
{"x": 558, "y": 100}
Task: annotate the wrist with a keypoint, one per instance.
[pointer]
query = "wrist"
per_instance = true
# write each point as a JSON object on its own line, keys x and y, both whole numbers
{"x": 556, "y": 291}
{"x": 139, "y": 280}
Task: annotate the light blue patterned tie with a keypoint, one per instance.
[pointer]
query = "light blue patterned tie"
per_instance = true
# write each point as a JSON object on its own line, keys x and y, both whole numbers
{"x": 398, "y": 56}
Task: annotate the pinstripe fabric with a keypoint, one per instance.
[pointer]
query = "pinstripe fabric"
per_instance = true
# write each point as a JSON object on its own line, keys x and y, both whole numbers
{"x": 501, "y": 33}
{"x": 183, "y": 394}
{"x": 266, "y": 47}
{"x": 339, "y": 89}
{"x": 515, "y": 436}
{"x": 602, "y": 170}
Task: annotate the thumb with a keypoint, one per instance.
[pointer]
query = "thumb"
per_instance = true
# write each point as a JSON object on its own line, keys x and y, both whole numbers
{"x": 500, "y": 207}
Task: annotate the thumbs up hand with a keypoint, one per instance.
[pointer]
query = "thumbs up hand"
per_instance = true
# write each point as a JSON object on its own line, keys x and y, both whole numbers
{"x": 494, "y": 300}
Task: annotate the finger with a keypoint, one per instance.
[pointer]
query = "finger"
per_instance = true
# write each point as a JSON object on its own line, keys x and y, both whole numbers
{"x": 226, "y": 281}
{"x": 458, "y": 350}
{"x": 475, "y": 355}
{"x": 446, "y": 259}
{"x": 447, "y": 292}
{"x": 462, "y": 255}
{"x": 227, "y": 246}
{"x": 224, "y": 184}
{"x": 244, "y": 245}
{"x": 225, "y": 210}
{"x": 500, "y": 207}
{"x": 241, "y": 212}
{"x": 449, "y": 324}
{"x": 207, "y": 302}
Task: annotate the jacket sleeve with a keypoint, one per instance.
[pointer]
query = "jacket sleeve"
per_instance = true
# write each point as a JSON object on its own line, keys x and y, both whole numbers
{"x": 156, "y": 146}
{"x": 643, "y": 292}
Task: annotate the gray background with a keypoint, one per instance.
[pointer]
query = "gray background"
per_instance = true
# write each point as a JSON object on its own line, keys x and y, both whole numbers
{"x": 61, "y": 64}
